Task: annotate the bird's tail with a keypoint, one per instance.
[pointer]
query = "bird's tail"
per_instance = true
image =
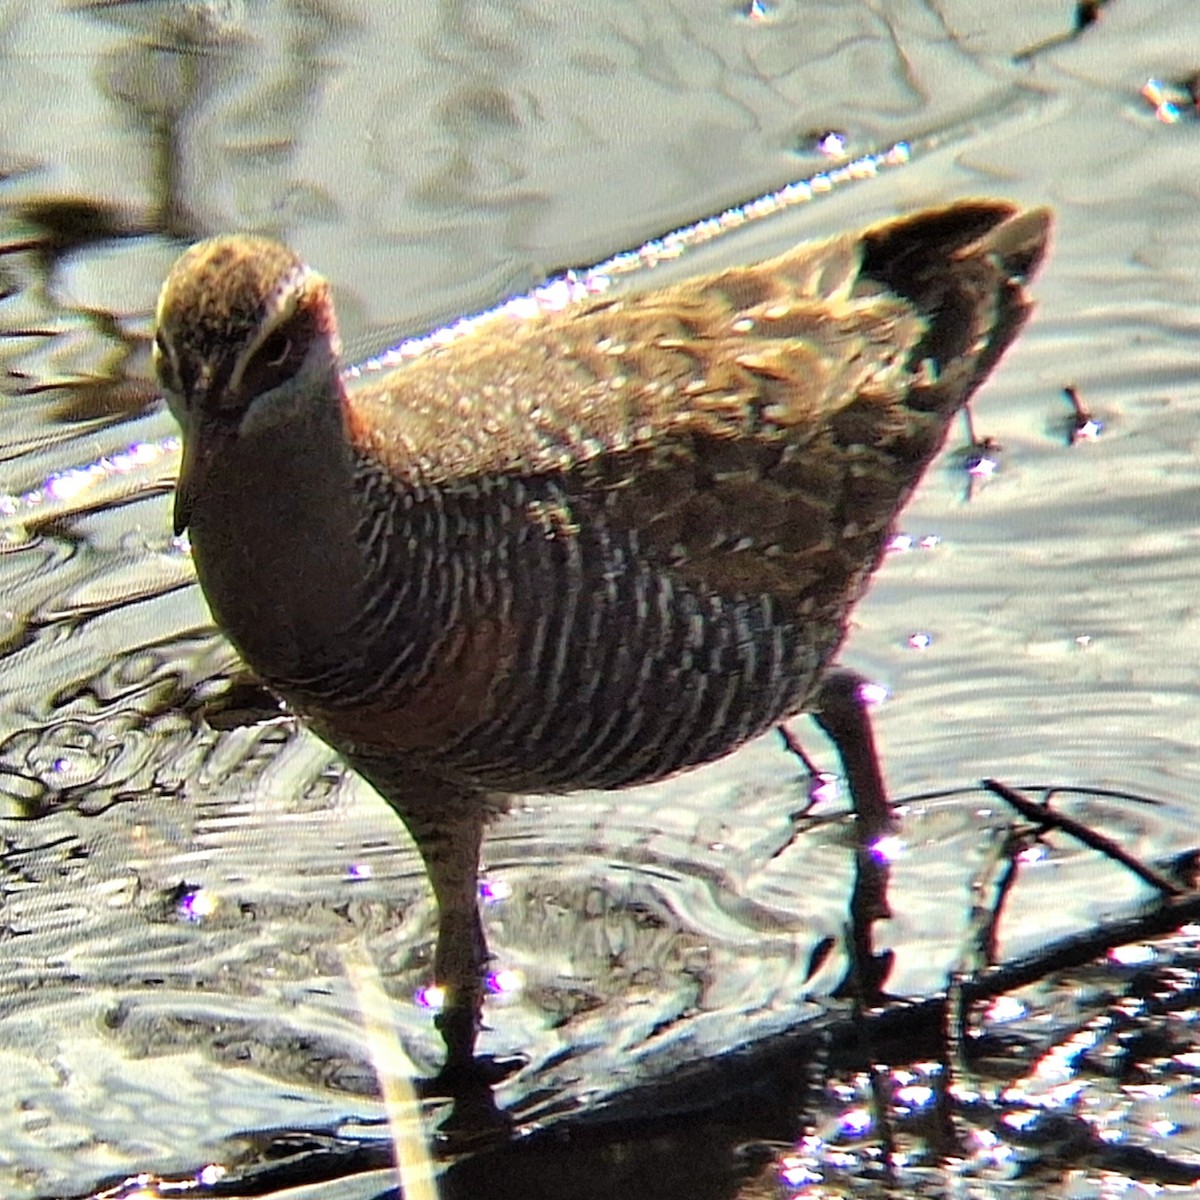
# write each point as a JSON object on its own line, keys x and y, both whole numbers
{"x": 964, "y": 269}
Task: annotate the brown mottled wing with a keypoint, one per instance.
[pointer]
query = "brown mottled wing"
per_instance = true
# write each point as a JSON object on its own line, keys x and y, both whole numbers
{"x": 754, "y": 425}
{"x": 548, "y": 393}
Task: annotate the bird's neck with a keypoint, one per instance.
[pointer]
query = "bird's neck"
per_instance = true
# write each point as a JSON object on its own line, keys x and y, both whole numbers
{"x": 274, "y": 544}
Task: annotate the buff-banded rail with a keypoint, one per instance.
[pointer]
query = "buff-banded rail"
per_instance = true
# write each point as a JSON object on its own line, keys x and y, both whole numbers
{"x": 584, "y": 549}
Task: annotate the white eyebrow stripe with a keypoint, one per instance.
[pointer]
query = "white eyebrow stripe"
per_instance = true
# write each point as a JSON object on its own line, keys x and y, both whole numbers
{"x": 280, "y": 304}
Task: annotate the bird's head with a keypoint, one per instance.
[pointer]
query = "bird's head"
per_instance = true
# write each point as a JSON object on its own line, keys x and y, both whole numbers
{"x": 245, "y": 340}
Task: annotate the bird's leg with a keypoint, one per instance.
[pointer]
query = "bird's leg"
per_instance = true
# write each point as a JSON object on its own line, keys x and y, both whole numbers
{"x": 449, "y": 842}
{"x": 841, "y": 711}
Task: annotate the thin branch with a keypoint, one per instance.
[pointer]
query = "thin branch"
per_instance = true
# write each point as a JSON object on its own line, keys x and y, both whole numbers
{"x": 1048, "y": 818}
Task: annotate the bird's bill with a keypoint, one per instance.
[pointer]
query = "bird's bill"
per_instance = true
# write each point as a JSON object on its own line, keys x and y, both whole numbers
{"x": 204, "y": 440}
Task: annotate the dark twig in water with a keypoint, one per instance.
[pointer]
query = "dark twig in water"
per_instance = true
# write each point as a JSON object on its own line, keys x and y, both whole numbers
{"x": 1087, "y": 13}
{"x": 980, "y": 458}
{"x": 998, "y": 875}
{"x": 794, "y": 747}
{"x": 1047, "y": 818}
{"x": 1083, "y": 948}
{"x": 820, "y": 783}
{"x": 1084, "y": 426}
{"x": 1014, "y": 843}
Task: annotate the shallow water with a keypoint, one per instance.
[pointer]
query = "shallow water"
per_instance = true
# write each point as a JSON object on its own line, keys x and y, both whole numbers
{"x": 177, "y": 905}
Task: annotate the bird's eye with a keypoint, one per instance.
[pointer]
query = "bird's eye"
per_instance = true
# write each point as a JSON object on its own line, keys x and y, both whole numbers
{"x": 278, "y": 358}
{"x": 275, "y": 350}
